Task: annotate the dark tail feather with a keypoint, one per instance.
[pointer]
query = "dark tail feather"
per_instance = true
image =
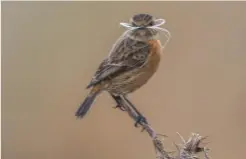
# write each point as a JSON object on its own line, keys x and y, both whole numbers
{"x": 85, "y": 106}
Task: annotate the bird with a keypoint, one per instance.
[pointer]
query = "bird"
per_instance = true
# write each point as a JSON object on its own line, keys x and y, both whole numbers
{"x": 132, "y": 61}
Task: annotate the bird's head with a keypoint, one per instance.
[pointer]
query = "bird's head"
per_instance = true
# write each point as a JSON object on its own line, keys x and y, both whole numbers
{"x": 144, "y": 27}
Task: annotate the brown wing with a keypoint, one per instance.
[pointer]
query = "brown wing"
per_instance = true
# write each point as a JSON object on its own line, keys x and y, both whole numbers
{"x": 127, "y": 54}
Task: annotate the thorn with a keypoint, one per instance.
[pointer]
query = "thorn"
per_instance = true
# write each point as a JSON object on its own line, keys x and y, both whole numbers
{"x": 181, "y": 137}
{"x": 204, "y": 138}
{"x": 171, "y": 152}
{"x": 177, "y": 147}
{"x": 120, "y": 107}
{"x": 143, "y": 129}
{"x": 162, "y": 135}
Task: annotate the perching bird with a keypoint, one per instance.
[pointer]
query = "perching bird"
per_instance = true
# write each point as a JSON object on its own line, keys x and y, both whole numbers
{"x": 132, "y": 61}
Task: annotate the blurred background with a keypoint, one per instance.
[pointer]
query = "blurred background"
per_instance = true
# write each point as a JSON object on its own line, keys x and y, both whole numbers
{"x": 50, "y": 51}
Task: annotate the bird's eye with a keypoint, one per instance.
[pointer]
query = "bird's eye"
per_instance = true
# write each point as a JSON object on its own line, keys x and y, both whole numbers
{"x": 151, "y": 23}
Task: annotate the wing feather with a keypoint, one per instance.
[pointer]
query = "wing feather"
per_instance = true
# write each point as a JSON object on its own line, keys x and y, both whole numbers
{"x": 126, "y": 54}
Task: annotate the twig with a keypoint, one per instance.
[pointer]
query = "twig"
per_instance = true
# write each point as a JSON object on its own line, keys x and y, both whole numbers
{"x": 187, "y": 150}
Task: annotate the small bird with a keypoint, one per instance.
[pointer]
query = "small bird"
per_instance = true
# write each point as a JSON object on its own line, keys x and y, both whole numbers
{"x": 132, "y": 61}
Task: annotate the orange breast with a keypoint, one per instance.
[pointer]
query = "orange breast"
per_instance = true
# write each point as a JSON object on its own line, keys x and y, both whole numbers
{"x": 155, "y": 55}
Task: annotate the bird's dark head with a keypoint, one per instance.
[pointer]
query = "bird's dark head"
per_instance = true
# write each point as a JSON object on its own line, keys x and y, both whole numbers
{"x": 144, "y": 27}
{"x": 142, "y": 20}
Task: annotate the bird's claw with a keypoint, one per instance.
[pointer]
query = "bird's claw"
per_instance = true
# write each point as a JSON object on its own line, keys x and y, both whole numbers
{"x": 140, "y": 120}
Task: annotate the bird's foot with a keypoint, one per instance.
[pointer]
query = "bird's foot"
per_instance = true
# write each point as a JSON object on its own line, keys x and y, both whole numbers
{"x": 120, "y": 107}
{"x": 140, "y": 120}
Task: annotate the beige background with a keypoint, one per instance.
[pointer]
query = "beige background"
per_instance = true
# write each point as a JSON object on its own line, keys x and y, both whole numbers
{"x": 51, "y": 50}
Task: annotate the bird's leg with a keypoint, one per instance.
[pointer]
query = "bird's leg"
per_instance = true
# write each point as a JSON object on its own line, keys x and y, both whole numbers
{"x": 140, "y": 118}
{"x": 119, "y": 102}
{"x": 123, "y": 102}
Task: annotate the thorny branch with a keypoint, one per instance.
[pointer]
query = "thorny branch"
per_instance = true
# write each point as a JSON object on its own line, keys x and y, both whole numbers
{"x": 187, "y": 150}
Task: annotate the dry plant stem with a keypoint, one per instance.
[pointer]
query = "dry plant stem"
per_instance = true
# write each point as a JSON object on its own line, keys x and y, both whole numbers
{"x": 187, "y": 150}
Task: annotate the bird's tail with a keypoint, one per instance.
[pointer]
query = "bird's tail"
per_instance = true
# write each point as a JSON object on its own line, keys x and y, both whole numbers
{"x": 85, "y": 106}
